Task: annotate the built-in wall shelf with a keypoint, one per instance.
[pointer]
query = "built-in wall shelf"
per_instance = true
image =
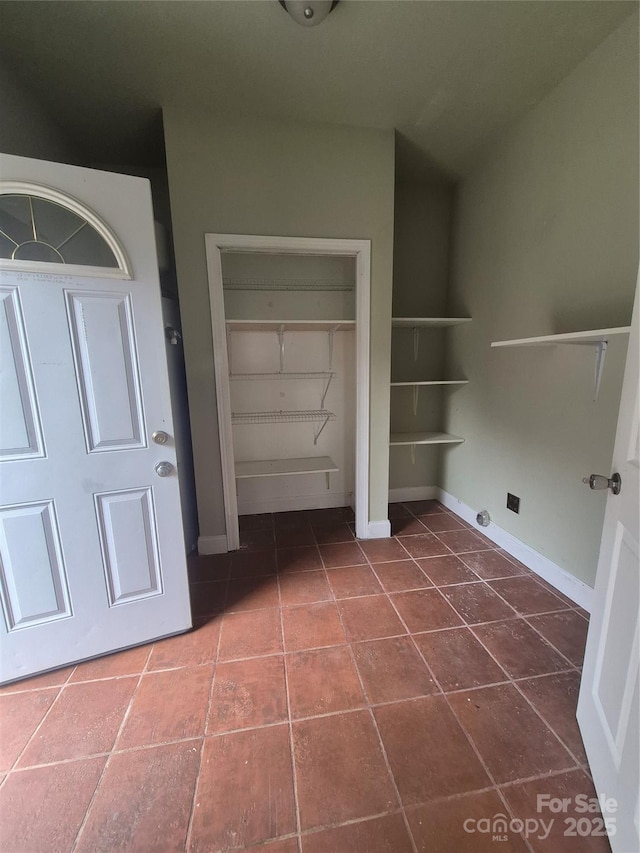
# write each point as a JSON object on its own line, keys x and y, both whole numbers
{"x": 291, "y": 325}
{"x": 399, "y": 438}
{"x": 285, "y": 467}
{"x": 414, "y": 322}
{"x": 411, "y": 439}
{"x": 321, "y": 285}
{"x": 596, "y": 336}
{"x": 430, "y": 382}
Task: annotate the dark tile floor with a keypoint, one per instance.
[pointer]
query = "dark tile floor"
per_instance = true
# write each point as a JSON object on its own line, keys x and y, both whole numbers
{"x": 335, "y": 697}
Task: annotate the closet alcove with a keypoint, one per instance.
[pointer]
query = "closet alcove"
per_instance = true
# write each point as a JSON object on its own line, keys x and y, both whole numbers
{"x": 290, "y": 323}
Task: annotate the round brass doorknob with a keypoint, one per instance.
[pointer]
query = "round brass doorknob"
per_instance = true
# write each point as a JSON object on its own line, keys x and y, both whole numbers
{"x": 164, "y": 469}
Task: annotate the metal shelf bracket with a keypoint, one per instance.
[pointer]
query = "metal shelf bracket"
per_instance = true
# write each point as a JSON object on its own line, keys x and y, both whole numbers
{"x": 281, "y": 344}
{"x": 319, "y": 432}
{"x": 601, "y": 352}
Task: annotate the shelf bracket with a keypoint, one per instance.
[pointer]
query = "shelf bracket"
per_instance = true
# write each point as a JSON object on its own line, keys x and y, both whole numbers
{"x": 416, "y": 342}
{"x": 326, "y": 388}
{"x": 416, "y": 390}
{"x": 330, "y": 335}
{"x": 601, "y": 352}
{"x": 229, "y": 350}
{"x": 281, "y": 345}
{"x": 319, "y": 433}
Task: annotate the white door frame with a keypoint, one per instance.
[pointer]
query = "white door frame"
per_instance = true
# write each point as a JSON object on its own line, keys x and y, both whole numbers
{"x": 360, "y": 250}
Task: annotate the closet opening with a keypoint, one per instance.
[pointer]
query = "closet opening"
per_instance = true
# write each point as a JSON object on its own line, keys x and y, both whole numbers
{"x": 290, "y": 324}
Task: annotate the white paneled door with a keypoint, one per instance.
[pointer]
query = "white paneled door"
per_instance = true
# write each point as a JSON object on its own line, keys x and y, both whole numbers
{"x": 608, "y": 709}
{"x": 91, "y": 544}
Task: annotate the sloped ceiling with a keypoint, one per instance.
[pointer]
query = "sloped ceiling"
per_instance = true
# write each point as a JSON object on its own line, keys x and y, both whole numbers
{"x": 448, "y": 76}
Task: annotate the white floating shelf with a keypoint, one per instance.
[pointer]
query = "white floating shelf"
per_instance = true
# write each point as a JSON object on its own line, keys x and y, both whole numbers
{"x": 398, "y": 438}
{"x": 291, "y": 325}
{"x": 431, "y": 382}
{"x": 596, "y": 336}
{"x": 414, "y": 322}
{"x": 285, "y": 467}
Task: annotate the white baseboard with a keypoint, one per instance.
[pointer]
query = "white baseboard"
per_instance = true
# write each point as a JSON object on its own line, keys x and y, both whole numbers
{"x": 379, "y": 529}
{"x": 212, "y": 544}
{"x": 289, "y": 504}
{"x": 413, "y": 493}
{"x": 563, "y": 581}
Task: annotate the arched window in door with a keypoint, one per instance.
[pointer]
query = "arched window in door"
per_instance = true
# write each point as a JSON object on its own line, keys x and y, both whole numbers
{"x": 44, "y": 230}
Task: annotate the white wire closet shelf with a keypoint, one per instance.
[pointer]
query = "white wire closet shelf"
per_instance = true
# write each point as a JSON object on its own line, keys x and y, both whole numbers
{"x": 282, "y": 374}
{"x": 282, "y": 417}
{"x": 431, "y": 382}
{"x": 303, "y": 284}
{"x": 399, "y": 438}
{"x": 245, "y": 325}
{"x": 414, "y": 322}
{"x": 285, "y": 467}
{"x": 321, "y": 416}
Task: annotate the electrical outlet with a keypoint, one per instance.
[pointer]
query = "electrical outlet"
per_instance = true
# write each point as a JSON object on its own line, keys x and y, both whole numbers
{"x": 513, "y": 502}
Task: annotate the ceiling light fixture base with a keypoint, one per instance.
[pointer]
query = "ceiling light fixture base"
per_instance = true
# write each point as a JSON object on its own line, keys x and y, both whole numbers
{"x": 308, "y": 13}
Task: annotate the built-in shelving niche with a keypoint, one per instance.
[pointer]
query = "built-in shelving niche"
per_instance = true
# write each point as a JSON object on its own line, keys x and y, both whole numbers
{"x": 412, "y": 328}
{"x": 291, "y": 361}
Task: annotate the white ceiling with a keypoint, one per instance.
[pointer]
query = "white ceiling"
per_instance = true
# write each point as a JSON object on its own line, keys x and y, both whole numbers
{"x": 448, "y": 76}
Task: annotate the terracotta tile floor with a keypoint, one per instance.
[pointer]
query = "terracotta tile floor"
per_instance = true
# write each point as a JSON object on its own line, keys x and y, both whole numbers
{"x": 335, "y": 696}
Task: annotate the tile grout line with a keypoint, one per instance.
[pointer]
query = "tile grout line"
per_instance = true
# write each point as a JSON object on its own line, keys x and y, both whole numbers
{"x": 352, "y": 822}
{"x": 374, "y": 723}
{"x": 105, "y": 754}
{"x": 551, "y": 613}
{"x": 5, "y": 690}
{"x": 125, "y": 717}
{"x": 294, "y": 774}
{"x": 189, "y": 832}
{"x": 37, "y": 728}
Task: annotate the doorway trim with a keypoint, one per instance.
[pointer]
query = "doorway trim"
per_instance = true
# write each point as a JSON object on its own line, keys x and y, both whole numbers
{"x": 360, "y": 250}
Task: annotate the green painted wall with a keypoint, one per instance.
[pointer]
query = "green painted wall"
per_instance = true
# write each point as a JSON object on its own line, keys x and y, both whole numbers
{"x": 27, "y": 128}
{"x": 255, "y": 176}
{"x": 546, "y": 240}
